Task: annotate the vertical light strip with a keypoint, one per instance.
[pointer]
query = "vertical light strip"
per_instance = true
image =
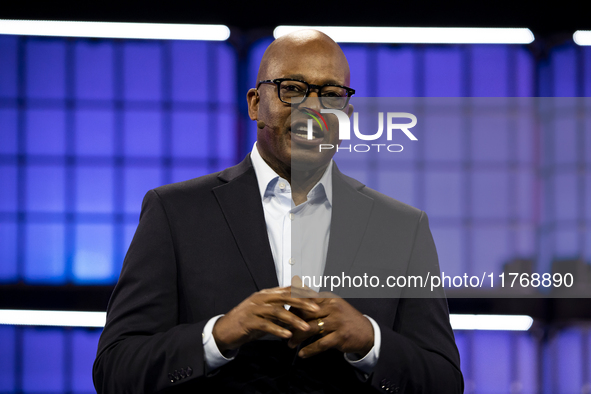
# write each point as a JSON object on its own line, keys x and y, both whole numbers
{"x": 419, "y": 35}
{"x": 154, "y": 31}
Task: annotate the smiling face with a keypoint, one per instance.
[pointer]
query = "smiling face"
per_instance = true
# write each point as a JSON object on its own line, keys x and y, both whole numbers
{"x": 308, "y": 56}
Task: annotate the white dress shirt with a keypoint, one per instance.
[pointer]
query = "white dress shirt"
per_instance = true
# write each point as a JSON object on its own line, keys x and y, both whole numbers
{"x": 289, "y": 228}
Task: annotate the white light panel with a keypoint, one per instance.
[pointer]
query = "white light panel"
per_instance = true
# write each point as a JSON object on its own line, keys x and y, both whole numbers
{"x": 418, "y": 35}
{"x": 582, "y": 37}
{"x": 491, "y": 322}
{"x": 155, "y": 31}
{"x": 97, "y": 319}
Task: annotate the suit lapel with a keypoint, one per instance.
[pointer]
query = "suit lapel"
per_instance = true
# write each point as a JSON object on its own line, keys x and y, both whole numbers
{"x": 240, "y": 201}
{"x": 350, "y": 214}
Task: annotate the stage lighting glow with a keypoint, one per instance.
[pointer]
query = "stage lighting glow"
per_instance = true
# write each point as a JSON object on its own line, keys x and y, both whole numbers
{"x": 97, "y": 319}
{"x": 491, "y": 322}
{"x": 52, "y": 318}
{"x": 582, "y": 37}
{"x": 418, "y": 35}
{"x": 154, "y": 31}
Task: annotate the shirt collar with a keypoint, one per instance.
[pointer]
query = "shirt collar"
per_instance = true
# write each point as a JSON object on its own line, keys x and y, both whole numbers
{"x": 266, "y": 175}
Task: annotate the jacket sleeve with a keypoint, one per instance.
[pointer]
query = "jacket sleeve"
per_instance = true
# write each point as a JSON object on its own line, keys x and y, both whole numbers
{"x": 143, "y": 349}
{"x": 418, "y": 354}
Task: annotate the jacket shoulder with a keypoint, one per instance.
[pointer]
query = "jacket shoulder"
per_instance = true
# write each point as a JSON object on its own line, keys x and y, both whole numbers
{"x": 385, "y": 202}
{"x": 382, "y": 202}
{"x": 195, "y": 186}
{"x": 202, "y": 186}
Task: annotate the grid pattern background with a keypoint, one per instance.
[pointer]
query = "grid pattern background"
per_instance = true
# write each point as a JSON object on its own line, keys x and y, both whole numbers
{"x": 88, "y": 126}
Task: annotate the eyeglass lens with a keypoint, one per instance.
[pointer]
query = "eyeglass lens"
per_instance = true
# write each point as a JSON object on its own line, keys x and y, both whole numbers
{"x": 294, "y": 92}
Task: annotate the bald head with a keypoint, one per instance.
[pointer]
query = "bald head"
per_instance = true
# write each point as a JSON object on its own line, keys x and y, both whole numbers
{"x": 312, "y": 47}
{"x": 305, "y": 55}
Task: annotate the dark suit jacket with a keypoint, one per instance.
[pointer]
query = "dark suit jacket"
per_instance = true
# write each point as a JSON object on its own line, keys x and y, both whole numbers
{"x": 201, "y": 248}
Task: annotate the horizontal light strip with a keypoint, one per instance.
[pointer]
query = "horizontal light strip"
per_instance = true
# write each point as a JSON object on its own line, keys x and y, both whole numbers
{"x": 582, "y": 37}
{"x": 52, "y": 318}
{"x": 97, "y": 319}
{"x": 154, "y": 31}
{"x": 419, "y": 35}
{"x": 491, "y": 322}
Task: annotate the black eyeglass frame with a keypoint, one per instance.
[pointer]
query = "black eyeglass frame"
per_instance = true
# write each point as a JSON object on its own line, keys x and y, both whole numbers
{"x": 277, "y": 82}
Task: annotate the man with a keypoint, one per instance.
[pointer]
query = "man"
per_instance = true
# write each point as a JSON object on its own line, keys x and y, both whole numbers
{"x": 199, "y": 305}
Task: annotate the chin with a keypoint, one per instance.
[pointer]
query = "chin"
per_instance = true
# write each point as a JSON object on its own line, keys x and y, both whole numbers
{"x": 307, "y": 160}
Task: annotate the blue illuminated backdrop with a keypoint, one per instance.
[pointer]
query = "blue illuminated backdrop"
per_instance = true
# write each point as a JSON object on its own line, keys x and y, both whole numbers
{"x": 88, "y": 126}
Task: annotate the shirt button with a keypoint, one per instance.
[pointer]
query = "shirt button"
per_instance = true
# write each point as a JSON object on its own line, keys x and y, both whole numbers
{"x": 282, "y": 186}
{"x": 291, "y": 261}
{"x": 291, "y": 216}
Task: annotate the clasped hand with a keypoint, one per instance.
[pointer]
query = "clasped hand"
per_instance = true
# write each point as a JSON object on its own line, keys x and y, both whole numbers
{"x": 345, "y": 328}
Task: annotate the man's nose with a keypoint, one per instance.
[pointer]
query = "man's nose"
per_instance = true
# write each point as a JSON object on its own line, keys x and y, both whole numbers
{"x": 313, "y": 92}
{"x": 313, "y": 100}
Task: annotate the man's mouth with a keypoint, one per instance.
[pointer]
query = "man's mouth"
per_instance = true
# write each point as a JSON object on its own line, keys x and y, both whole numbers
{"x": 301, "y": 131}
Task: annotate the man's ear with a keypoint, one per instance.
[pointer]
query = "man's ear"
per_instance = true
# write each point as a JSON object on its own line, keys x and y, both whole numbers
{"x": 350, "y": 110}
{"x": 252, "y": 98}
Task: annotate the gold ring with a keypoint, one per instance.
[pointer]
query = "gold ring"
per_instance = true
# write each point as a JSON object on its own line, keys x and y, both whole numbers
{"x": 320, "y": 325}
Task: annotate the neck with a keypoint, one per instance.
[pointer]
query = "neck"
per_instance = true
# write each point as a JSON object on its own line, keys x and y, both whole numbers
{"x": 305, "y": 180}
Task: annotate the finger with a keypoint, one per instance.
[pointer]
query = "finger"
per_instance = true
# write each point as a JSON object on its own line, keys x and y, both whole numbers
{"x": 303, "y": 292}
{"x": 310, "y": 316}
{"x": 264, "y": 325}
{"x": 321, "y": 326}
{"x": 296, "y": 282}
{"x": 283, "y": 296}
{"x": 326, "y": 306}
{"x": 276, "y": 312}
{"x": 274, "y": 291}
{"x": 299, "y": 336}
{"x": 304, "y": 304}
{"x": 325, "y": 296}
{"x": 319, "y": 346}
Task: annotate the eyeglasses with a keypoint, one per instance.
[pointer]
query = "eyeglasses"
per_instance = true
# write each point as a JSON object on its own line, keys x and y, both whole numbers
{"x": 293, "y": 92}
